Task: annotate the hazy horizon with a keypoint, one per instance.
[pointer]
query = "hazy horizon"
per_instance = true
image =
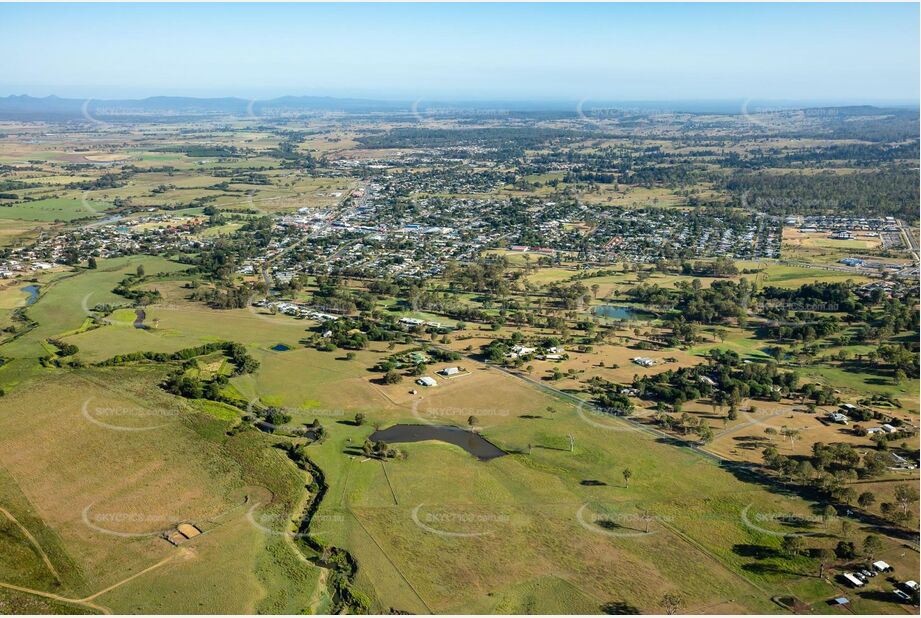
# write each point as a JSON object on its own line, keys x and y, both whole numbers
{"x": 833, "y": 53}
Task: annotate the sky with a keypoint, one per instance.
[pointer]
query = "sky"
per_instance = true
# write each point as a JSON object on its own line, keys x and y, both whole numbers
{"x": 618, "y": 52}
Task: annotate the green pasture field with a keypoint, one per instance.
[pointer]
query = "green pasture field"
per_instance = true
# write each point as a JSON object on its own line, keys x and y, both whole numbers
{"x": 152, "y": 465}
{"x": 738, "y": 340}
{"x": 551, "y": 527}
{"x": 863, "y": 384}
{"x": 14, "y": 232}
{"x": 63, "y": 304}
{"x": 55, "y": 209}
{"x": 533, "y": 545}
{"x": 785, "y": 276}
{"x": 217, "y": 230}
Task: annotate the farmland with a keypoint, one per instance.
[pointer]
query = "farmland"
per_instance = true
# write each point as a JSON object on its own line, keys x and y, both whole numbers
{"x": 690, "y": 389}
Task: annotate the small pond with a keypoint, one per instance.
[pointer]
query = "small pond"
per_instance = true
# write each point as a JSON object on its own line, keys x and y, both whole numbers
{"x": 473, "y": 443}
{"x": 280, "y": 347}
{"x": 33, "y": 294}
{"x": 616, "y": 312}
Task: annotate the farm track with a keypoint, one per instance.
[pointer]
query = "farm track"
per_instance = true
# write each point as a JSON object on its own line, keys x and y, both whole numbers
{"x": 749, "y": 423}
{"x": 581, "y": 402}
{"x": 88, "y": 601}
{"x": 57, "y": 597}
{"x": 739, "y": 468}
{"x": 395, "y": 567}
{"x": 35, "y": 544}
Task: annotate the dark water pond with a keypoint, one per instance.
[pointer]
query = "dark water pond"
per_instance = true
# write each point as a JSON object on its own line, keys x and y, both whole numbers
{"x": 33, "y": 293}
{"x": 616, "y": 312}
{"x": 139, "y": 316}
{"x": 473, "y": 443}
{"x": 280, "y": 347}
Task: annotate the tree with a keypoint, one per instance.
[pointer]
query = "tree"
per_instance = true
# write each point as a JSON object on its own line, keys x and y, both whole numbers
{"x": 846, "y": 495}
{"x": 905, "y": 496}
{"x": 393, "y": 377}
{"x": 871, "y": 546}
{"x": 866, "y": 499}
{"x": 360, "y": 418}
{"x": 847, "y": 529}
{"x": 792, "y": 545}
{"x": 733, "y": 412}
{"x": 140, "y": 271}
{"x": 845, "y": 550}
{"x": 823, "y": 555}
{"x": 671, "y": 601}
{"x": 91, "y": 263}
{"x": 472, "y": 421}
{"x": 627, "y": 474}
{"x": 349, "y": 356}
{"x": 881, "y": 442}
{"x": 828, "y": 513}
{"x": 705, "y": 433}
{"x": 792, "y": 434}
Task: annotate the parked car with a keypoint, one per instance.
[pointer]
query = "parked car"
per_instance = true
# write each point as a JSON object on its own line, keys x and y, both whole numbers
{"x": 881, "y": 567}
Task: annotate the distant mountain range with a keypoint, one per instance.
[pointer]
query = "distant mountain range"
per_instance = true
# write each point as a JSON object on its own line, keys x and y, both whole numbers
{"x": 164, "y": 108}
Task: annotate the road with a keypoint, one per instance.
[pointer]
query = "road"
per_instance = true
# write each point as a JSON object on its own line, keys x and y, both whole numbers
{"x": 690, "y": 445}
{"x": 909, "y": 240}
{"x": 321, "y": 227}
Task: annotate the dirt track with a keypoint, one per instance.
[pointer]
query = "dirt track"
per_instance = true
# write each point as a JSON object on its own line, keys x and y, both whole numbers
{"x": 87, "y": 601}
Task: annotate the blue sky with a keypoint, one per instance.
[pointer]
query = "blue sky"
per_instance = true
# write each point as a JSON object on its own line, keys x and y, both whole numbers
{"x": 803, "y": 52}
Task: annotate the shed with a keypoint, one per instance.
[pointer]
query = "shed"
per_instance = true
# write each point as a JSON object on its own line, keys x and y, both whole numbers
{"x": 426, "y": 381}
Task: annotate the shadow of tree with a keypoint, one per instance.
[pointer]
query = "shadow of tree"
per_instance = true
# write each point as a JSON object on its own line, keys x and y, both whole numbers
{"x": 619, "y": 608}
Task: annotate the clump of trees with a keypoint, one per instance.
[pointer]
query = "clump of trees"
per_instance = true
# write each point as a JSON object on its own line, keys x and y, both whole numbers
{"x": 378, "y": 449}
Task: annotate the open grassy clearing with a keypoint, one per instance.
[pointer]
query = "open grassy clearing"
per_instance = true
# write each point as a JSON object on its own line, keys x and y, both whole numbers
{"x": 528, "y": 503}
{"x": 364, "y": 512}
{"x": 54, "y": 209}
{"x": 550, "y": 528}
{"x": 14, "y": 232}
{"x": 65, "y": 304}
{"x": 862, "y": 384}
{"x": 146, "y": 462}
